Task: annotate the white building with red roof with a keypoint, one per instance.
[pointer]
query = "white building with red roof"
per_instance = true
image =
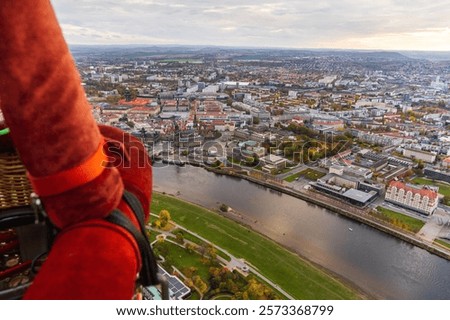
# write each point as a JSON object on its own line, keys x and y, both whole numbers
{"x": 423, "y": 199}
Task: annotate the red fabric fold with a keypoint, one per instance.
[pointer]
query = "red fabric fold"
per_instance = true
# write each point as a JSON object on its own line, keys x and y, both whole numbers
{"x": 53, "y": 129}
{"x": 93, "y": 260}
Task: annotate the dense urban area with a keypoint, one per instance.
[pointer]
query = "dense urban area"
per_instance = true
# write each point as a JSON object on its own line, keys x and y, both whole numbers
{"x": 376, "y": 123}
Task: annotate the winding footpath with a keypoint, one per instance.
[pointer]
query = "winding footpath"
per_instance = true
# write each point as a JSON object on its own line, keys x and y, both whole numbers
{"x": 234, "y": 263}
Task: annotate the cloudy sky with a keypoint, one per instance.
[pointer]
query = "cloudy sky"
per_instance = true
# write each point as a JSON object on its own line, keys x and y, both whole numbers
{"x": 356, "y": 24}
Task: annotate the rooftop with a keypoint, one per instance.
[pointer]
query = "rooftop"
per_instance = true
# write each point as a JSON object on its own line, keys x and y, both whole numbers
{"x": 177, "y": 289}
{"x": 423, "y": 192}
{"x": 136, "y": 102}
{"x": 359, "y": 196}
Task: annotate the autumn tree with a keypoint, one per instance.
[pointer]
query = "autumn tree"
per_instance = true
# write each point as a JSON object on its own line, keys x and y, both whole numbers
{"x": 211, "y": 251}
{"x": 258, "y": 291}
{"x": 190, "y": 247}
{"x": 156, "y": 224}
{"x": 188, "y": 282}
{"x": 190, "y": 271}
{"x": 200, "y": 284}
{"x": 208, "y": 251}
{"x": 164, "y": 217}
{"x": 160, "y": 239}
{"x": 214, "y": 277}
{"x": 112, "y": 99}
{"x": 214, "y": 272}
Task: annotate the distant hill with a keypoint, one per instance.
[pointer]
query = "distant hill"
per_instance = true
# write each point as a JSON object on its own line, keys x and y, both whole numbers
{"x": 386, "y": 55}
{"x": 136, "y": 51}
{"x": 374, "y": 55}
{"x": 428, "y": 55}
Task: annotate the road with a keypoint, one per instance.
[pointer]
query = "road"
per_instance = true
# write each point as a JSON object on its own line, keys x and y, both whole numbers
{"x": 298, "y": 168}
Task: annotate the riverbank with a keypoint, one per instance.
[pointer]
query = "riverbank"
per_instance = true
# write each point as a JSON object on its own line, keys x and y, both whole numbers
{"x": 382, "y": 265}
{"x": 301, "y": 278}
{"x": 363, "y": 218}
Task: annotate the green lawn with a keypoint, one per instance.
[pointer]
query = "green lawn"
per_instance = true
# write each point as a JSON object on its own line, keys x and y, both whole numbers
{"x": 292, "y": 178}
{"x": 191, "y": 237}
{"x": 443, "y": 243}
{"x": 295, "y": 275}
{"x": 400, "y": 220}
{"x": 444, "y": 188}
{"x": 194, "y": 295}
{"x": 181, "y": 258}
{"x": 152, "y": 236}
{"x": 309, "y": 174}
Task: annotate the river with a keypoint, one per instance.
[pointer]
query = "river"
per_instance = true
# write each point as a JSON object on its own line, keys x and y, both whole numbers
{"x": 381, "y": 265}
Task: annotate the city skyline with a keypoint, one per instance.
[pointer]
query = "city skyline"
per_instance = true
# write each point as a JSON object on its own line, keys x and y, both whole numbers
{"x": 384, "y": 25}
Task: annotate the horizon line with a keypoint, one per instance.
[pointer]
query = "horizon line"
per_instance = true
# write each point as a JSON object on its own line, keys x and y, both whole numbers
{"x": 253, "y": 47}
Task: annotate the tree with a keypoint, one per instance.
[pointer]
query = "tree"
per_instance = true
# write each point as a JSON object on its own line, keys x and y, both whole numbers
{"x": 164, "y": 217}
{"x": 214, "y": 272}
{"x": 189, "y": 282}
{"x": 446, "y": 200}
{"x": 256, "y": 160}
{"x": 258, "y": 291}
{"x": 208, "y": 252}
{"x": 157, "y": 224}
{"x": 112, "y": 99}
{"x": 160, "y": 239}
{"x": 216, "y": 164}
{"x": 179, "y": 238}
{"x": 420, "y": 164}
{"x": 211, "y": 251}
{"x": 200, "y": 284}
{"x": 190, "y": 247}
{"x": 190, "y": 272}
